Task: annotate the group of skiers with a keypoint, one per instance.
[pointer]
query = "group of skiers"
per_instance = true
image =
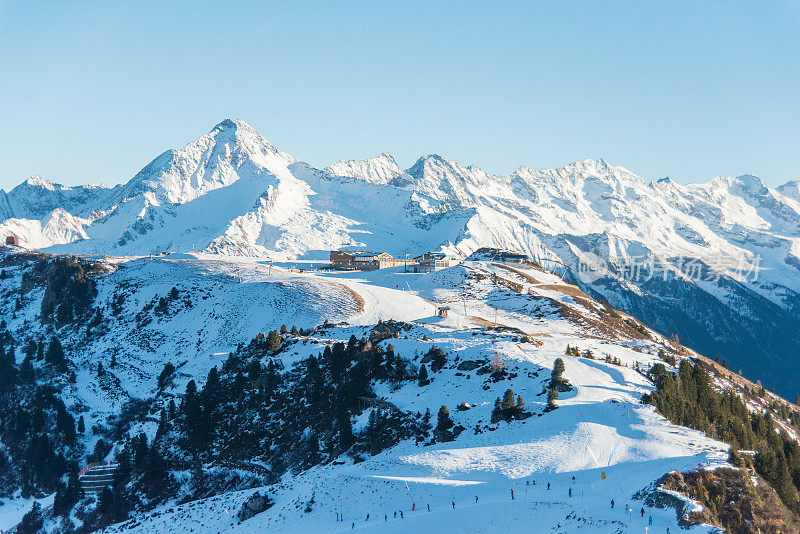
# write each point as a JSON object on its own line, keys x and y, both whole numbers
{"x": 628, "y": 509}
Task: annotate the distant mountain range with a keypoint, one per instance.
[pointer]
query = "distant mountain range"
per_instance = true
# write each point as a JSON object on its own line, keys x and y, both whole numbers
{"x": 727, "y": 252}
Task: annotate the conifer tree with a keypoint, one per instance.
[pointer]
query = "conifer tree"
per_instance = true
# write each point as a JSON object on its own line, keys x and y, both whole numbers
{"x": 345, "y": 427}
{"x": 552, "y": 395}
{"x": 32, "y": 522}
{"x": 437, "y": 358}
{"x": 8, "y": 371}
{"x": 154, "y": 477}
{"x": 558, "y": 372}
{"x": 81, "y": 425}
{"x": 166, "y": 375}
{"x": 273, "y": 341}
{"x": 55, "y": 354}
{"x": 443, "y": 425}
{"x": 193, "y": 415}
{"x": 65, "y": 423}
{"x": 443, "y": 420}
{"x": 423, "y": 376}
{"x": 509, "y": 400}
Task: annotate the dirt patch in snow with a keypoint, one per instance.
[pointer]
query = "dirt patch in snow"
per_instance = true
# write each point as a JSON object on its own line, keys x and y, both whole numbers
{"x": 358, "y": 298}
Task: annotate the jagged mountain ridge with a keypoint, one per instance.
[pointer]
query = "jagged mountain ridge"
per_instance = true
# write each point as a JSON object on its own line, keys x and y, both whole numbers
{"x": 232, "y": 192}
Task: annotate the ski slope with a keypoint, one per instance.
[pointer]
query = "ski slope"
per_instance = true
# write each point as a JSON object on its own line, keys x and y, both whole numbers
{"x": 599, "y": 426}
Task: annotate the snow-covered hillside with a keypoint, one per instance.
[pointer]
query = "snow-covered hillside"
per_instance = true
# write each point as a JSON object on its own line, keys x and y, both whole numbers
{"x": 555, "y": 466}
{"x": 718, "y": 263}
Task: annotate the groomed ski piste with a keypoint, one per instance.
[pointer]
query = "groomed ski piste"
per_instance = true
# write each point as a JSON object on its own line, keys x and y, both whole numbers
{"x": 600, "y": 427}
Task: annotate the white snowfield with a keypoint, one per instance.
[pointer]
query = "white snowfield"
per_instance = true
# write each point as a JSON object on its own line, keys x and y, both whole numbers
{"x": 599, "y": 427}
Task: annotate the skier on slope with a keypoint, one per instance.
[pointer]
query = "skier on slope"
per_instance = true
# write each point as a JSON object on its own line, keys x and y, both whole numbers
{"x": 476, "y": 498}
{"x": 570, "y": 492}
{"x": 454, "y": 504}
{"x": 512, "y": 494}
{"x": 612, "y": 503}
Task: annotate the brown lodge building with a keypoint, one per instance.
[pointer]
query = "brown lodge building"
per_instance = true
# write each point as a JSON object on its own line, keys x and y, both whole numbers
{"x": 357, "y": 260}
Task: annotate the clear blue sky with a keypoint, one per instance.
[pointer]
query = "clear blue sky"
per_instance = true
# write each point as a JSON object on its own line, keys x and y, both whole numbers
{"x": 92, "y": 91}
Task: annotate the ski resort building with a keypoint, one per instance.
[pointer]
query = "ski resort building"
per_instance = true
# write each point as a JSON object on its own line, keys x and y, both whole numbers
{"x": 12, "y": 240}
{"x": 356, "y": 260}
{"x": 433, "y": 261}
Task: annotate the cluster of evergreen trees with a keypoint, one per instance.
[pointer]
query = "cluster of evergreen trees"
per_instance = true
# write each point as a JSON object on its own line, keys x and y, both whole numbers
{"x": 576, "y": 352}
{"x": 253, "y": 409}
{"x": 274, "y": 340}
{"x": 509, "y": 407}
{"x": 437, "y": 358}
{"x": 669, "y": 358}
{"x": 38, "y": 431}
{"x": 689, "y": 399}
{"x": 69, "y": 287}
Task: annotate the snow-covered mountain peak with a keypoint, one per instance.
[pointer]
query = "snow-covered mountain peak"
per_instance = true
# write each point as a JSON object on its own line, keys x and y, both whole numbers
{"x": 585, "y": 177}
{"x": 218, "y": 159}
{"x": 38, "y": 181}
{"x": 745, "y": 182}
{"x": 791, "y": 190}
{"x": 431, "y": 161}
{"x": 448, "y": 181}
{"x": 381, "y": 169}
{"x": 240, "y": 135}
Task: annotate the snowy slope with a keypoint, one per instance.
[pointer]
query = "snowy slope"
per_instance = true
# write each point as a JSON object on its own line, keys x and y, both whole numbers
{"x": 599, "y": 426}
{"x": 382, "y": 169}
